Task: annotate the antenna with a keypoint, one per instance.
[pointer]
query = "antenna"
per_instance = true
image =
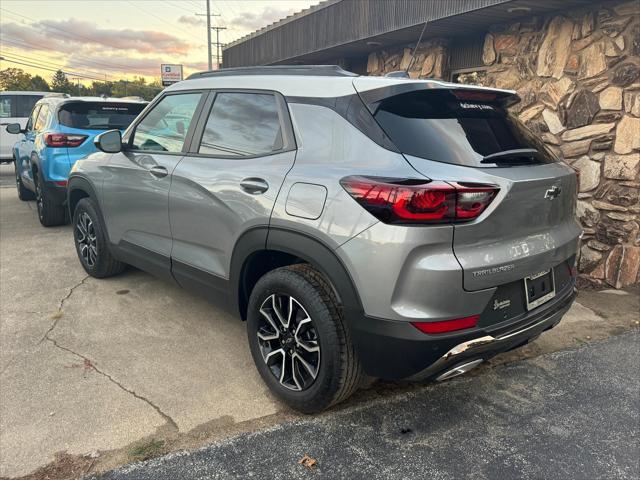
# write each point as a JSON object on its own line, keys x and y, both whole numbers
{"x": 413, "y": 55}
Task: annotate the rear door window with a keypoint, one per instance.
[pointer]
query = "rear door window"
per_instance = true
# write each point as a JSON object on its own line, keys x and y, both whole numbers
{"x": 98, "y": 115}
{"x": 33, "y": 116}
{"x": 241, "y": 125}
{"x": 437, "y": 125}
{"x": 165, "y": 127}
{"x": 42, "y": 118}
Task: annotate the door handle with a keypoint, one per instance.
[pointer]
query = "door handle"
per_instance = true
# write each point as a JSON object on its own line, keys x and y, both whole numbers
{"x": 254, "y": 186}
{"x": 158, "y": 171}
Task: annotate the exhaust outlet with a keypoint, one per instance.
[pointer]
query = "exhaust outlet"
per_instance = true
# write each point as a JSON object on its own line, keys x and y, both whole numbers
{"x": 459, "y": 370}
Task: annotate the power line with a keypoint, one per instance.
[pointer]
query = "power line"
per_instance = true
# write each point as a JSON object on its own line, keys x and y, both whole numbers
{"x": 74, "y": 74}
{"x": 23, "y": 44}
{"x": 161, "y": 19}
{"x": 53, "y": 70}
{"x": 25, "y": 58}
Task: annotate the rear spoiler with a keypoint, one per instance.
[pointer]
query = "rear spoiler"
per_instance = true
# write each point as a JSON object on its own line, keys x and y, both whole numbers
{"x": 374, "y": 96}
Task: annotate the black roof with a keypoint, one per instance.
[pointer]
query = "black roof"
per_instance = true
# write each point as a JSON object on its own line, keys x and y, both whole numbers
{"x": 308, "y": 70}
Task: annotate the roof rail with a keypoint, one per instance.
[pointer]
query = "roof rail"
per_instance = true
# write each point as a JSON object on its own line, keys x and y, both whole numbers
{"x": 58, "y": 95}
{"x": 302, "y": 70}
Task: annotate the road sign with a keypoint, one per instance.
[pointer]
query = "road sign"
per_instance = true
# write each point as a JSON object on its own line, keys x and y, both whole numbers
{"x": 170, "y": 74}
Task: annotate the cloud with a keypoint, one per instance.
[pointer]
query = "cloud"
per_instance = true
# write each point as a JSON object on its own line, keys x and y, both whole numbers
{"x": 255, "y": 21}
{"x": 82, "y": 35}
{"x": 192, "y": 21}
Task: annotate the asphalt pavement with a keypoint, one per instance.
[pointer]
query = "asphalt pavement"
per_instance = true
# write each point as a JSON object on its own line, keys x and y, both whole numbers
{"x": 572, "y": 414}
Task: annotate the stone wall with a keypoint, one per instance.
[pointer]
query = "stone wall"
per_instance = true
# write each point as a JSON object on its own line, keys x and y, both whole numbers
{"x": 578, "y": 75}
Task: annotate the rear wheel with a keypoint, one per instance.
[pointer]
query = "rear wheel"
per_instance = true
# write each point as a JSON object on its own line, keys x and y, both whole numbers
{"x": 90, "y": 239}
{"x": 24, "y": 194}
{"x": 50, "y": 213}
{"x": 299, "y": 340}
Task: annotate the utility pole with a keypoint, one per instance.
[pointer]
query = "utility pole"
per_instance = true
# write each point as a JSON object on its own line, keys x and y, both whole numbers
{"x": 208, "y": 15}
{"x": 218, "y": 46}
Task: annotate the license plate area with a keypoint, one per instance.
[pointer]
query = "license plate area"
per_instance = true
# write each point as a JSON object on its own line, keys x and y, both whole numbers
{"x": 539, "y": 288}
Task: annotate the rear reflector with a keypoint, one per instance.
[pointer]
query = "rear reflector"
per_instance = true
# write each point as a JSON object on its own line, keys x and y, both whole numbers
{"x": 63, "y": 139}
{"x": 61, "y": 183}
{"x": 447, "y": 325}
{"x": 417, "y": 201}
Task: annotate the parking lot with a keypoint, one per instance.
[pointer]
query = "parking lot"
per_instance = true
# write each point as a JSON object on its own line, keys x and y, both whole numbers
{"x": 98, "y": 373}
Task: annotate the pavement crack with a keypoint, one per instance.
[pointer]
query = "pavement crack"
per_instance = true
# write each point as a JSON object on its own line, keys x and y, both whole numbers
{"x": 87, "y": 361}
{"x": 58, "y": 315}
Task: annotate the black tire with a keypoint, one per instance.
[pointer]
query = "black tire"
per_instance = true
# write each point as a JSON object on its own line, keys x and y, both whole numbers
{"x": 24, "y": 194}
{"x": 50, "y": 213}
{"x": 101, "y": 264}
{"x": 338, "y": 370}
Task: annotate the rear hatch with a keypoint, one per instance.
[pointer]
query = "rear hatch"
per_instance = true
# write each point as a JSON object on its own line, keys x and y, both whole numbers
{"x": 88, "y": 119}
{"x": 461, "y": 134}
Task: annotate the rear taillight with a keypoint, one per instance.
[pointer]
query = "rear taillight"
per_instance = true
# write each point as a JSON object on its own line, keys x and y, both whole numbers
{"x": 63, "y": 139}
{"x": 416, "y": 201}
{"x": 445, "y": 326}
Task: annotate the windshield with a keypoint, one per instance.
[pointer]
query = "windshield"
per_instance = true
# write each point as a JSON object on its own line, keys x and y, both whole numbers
{"x": 438, "y": 126}
{"x": 98, "y": 115}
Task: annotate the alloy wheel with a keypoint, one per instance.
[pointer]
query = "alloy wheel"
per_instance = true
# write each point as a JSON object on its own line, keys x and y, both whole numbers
{"x": 86, "y": 238}
{"x": 288, "y": 342}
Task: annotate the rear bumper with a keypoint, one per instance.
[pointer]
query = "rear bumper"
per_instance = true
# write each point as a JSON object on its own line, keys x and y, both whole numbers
{"x": 56, "y": 192}
{"x": 397, "y": 350}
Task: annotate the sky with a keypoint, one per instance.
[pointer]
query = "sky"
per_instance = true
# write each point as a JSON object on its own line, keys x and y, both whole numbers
{"x": 121, "y": 39}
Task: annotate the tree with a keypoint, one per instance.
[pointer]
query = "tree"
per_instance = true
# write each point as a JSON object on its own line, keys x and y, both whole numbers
{"x": 61, "y": 84}
{"x": 39, "y": 84}
{"x": 15, "y": 79}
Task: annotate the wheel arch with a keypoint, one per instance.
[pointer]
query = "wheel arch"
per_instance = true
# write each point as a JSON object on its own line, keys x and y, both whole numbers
{"x": 263, "y": 249}
{"x": 77, "y": 189}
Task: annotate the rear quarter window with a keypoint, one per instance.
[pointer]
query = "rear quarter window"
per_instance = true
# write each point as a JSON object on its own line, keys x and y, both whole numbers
{"x": 438, "y": 126}
{"x": 98, "y": 115}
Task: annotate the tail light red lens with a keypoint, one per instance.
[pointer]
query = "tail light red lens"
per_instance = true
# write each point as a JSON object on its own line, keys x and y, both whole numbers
{"x": 414, "y": 201}
{"x": 63, "y": 139}
{"x": 447, "y": 325}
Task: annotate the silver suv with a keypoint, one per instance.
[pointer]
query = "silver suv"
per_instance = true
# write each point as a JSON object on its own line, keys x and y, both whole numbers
{"x": 363, "y": 227}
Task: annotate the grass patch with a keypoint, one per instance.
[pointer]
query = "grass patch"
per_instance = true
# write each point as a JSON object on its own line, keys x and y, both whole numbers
{"x": 148, "y": 450}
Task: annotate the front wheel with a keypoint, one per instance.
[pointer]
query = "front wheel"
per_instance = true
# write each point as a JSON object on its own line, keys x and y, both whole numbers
{"x": 90, "y": 239}
{"x": 299, "y": 340}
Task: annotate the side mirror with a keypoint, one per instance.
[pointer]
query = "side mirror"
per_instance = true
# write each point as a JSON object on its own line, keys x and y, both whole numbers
{"x": 109, "y": 141}
{"x": 15, "y": 128}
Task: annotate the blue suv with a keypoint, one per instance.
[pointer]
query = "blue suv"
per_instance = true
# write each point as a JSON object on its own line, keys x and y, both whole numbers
{"x": 61, "y": 130}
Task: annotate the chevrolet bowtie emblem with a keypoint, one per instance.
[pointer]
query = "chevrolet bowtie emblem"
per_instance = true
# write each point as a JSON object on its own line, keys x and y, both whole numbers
{"x": 553, "y": 192}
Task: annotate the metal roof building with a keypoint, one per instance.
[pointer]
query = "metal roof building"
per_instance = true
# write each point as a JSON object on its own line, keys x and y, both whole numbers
{"x": 350, "y": 29}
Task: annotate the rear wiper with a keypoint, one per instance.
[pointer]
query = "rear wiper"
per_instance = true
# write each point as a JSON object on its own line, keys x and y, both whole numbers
{"x": 507, "y": 155}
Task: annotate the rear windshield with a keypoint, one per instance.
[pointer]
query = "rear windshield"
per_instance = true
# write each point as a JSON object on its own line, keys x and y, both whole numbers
{"x": 98, "y": 115}
{"x": 438, "y": 126}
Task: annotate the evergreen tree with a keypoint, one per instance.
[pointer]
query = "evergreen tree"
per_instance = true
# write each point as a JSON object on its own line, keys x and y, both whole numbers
{"x": 61, "y": 84}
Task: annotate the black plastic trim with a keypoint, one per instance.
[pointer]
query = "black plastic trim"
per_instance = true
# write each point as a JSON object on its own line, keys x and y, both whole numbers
{"x": 152, "y": 262}
{"x": 212, "y": 287}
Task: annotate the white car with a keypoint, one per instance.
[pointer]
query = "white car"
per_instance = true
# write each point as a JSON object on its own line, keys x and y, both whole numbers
{"x": 15, "y": 107}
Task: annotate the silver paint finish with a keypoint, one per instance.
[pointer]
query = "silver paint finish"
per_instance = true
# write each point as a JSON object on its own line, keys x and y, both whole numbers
{"x": 329, "y": 149}
{"x": 521, "y": 229}
{"x": 306, "y": 200}
{"x": 135, "y": 201}
{"x": 209, "y": 209}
